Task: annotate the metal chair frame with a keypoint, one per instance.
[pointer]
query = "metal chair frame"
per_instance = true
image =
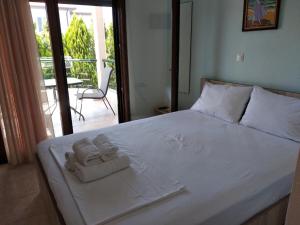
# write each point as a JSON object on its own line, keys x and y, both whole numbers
{"x": 104, "y": 93}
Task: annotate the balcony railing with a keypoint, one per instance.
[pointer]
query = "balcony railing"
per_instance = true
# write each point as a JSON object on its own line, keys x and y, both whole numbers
{"x": 84, "y": 69}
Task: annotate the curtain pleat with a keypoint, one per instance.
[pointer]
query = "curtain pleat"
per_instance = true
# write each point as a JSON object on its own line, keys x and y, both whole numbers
{"x": 21, "y": 82}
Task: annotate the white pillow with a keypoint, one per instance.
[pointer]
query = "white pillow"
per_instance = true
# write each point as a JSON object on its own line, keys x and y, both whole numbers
{"x": 273, "y": 113}
{"x": 226, "y": 102}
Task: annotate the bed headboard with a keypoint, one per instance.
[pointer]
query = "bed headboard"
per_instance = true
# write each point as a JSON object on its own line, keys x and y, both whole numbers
{"x": 285, "y": 93}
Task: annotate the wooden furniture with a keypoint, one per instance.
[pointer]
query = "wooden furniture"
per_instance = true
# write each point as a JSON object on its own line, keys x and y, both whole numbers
{"x": 280, "y": 92}
{"x": 293, "y": 214}
{"x": 274, "y": 215}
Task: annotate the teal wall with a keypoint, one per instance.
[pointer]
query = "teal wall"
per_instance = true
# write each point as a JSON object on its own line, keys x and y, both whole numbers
{"x": 271, "y": 57}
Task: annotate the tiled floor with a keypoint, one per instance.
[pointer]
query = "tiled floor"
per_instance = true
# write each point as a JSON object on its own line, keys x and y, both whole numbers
{"x": 24, "y": 199}
{"x": 95, "y": 113}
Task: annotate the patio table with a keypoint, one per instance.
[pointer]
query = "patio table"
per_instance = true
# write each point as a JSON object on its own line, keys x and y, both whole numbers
{"x": 71, "y": 81}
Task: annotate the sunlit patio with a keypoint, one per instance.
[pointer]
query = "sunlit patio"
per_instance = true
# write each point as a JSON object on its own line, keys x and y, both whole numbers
{"x": 89, "y": 63}
{"x": 95, "y": 112}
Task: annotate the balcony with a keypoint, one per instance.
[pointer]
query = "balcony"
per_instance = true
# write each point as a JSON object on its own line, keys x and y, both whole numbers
{"x": 96, "y": 114}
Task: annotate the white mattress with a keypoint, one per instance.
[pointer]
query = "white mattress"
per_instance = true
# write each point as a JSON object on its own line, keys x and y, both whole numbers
{"x": 230, "y": 172}
{"x": 118, "y": 194}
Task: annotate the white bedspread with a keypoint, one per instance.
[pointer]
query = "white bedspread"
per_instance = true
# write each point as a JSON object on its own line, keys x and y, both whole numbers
{"x": 106, "y": 199}
{"x": 230, "y": 172}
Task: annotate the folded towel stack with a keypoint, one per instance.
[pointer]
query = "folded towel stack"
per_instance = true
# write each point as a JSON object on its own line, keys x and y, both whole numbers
{"x": 86, "y": 152}
{"x": 92, "y": 160}
{"x": 107, "y": 149}
{"x": 91, "y": 173}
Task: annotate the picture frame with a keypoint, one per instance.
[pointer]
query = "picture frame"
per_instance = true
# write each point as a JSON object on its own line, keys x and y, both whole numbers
{"x": 261, "y": 15}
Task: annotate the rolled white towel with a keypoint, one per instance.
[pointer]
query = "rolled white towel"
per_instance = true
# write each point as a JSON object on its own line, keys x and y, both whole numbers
{"x": 91, "y": 173}
{"x": 86, "y": 152}
{"x": 103, "y": 143}
{"x": 101, "y": 139}
{"x": 106, "y": 148}
{"x": 108, "y": 157}
{"x": 70, "y": 161}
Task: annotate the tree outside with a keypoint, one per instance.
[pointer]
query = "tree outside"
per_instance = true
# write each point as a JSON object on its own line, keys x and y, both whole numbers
{"x": 44, "y": 49}
{"x": 43, "y": 42}
{"x": 110, "y": 50}
{"x": 79, "y": 44}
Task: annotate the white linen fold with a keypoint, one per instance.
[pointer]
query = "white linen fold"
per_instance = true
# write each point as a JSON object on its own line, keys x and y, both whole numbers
{"x": 104, "y": 145}
{"x": 109, "y": 156}
{"x": 86, "y": 152}
{"x": 90, "y": 153}
{"x": 70, "y": 161}
{"x": 229, "y": 171}
{"x": 92, "y": 173}
{"x": 100, "y": 139}
{"x": 106, "y": 199}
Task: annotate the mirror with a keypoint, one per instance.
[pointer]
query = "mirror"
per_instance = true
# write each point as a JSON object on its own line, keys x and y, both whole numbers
{"x": 186, "y": 12}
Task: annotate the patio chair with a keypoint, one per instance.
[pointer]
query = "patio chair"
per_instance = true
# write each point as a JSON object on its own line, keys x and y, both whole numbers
{"x": 98, "y": 93}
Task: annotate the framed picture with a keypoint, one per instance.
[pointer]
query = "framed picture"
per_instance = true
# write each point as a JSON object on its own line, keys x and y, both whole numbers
{"x": 261, "y": 14}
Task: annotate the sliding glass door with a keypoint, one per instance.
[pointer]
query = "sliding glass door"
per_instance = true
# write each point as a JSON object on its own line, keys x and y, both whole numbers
{"x": 41, "y": 25}
{"x": 88, "y": 43}
{"x": 83, "y": 76}
{"x": 89, "y": 38}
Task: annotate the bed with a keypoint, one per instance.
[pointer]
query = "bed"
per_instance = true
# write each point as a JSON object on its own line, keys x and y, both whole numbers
{"x": 232, "y": 174}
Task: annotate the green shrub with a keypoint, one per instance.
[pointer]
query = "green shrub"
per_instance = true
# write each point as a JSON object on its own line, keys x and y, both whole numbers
{"x": 43, "y": 42}
{"x": 79, "y": 44}
{"x": 44, "y": 50}
{"x": 110, "y": 50}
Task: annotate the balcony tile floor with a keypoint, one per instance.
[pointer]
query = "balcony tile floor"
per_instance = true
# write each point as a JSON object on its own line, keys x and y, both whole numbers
{"x": 95, "y": 113}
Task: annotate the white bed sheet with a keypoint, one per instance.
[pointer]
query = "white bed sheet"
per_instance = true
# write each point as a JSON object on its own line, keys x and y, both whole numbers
{"x": 118, "y": 194}
{"x": 230, "y": 172}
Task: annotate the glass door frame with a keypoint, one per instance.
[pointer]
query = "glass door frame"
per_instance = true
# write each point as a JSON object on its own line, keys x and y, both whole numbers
{"x": 175, "y": 54}
{"x": 120, "y": 38}
{"x": 121, "y": 58}
{"x": 59, "y": 65}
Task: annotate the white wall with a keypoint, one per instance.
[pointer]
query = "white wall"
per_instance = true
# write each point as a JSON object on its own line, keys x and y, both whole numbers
{"x": 204, "y": 48}
{"x": 149, "y": 55}
{"x": 271, "y": 57}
